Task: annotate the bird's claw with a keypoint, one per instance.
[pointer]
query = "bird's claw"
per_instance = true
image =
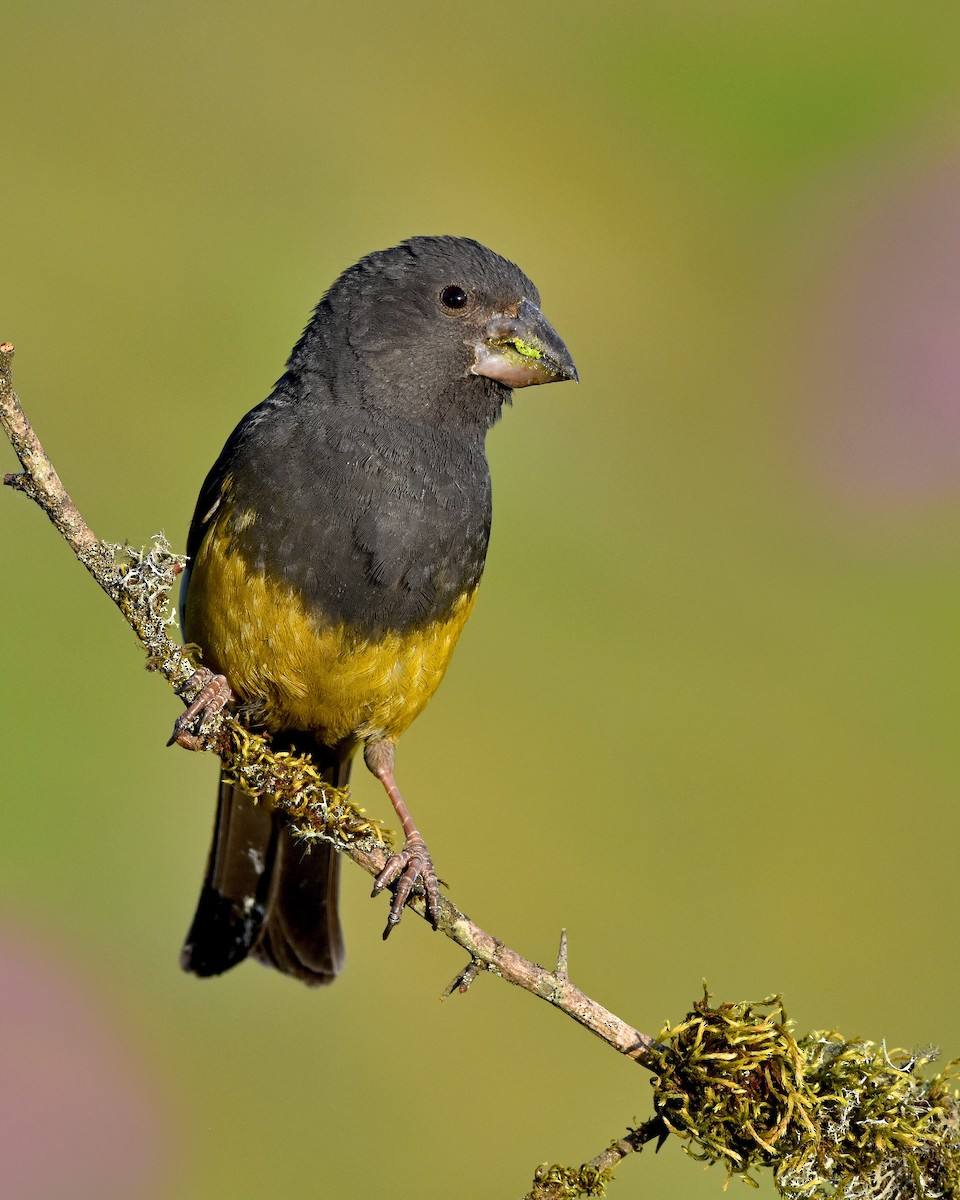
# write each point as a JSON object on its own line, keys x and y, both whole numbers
{"x": 214, "y": 694}
{"x": 412, "y": 865}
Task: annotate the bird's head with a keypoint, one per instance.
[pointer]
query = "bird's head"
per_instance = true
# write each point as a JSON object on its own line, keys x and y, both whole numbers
{"x": 439, "y": 327}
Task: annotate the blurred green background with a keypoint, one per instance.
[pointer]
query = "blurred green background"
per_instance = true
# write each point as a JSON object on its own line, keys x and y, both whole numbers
{"x": 704, "y": 713}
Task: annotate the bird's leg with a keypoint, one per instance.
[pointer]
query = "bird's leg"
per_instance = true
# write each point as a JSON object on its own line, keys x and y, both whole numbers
{"x": 214, "y": 694}
{"x": 413, "y": 863}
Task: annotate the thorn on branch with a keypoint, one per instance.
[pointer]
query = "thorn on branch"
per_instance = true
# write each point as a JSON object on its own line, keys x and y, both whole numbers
{"x": 562, "y": 964}
{"x": 460, "y": 983}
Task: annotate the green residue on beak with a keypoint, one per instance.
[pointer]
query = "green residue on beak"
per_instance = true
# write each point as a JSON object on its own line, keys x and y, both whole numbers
{"x": 527, "y": 349}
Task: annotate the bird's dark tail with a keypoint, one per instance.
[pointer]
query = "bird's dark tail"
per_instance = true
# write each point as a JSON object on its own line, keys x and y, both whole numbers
{"x": 266, "y": 894}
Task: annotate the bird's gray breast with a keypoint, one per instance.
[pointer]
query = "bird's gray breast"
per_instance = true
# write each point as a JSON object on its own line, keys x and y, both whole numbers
{"x": 379, "y": 524}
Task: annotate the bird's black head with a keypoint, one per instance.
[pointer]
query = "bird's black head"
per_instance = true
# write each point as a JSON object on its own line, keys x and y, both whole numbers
{"x": 437, "y": 329}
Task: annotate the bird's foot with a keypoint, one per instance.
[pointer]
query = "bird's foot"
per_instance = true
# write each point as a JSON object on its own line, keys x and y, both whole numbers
{"x": 412, "y": 865}
{"x": 215, "y": 693}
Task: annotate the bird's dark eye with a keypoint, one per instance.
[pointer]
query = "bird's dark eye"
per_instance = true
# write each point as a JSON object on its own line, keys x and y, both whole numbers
{"x": 453, "y": 297}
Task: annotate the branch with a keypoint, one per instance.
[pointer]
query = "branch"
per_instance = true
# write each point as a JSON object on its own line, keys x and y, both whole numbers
{"x": 139, "y": 585}
{"x": 732, "y": 1082}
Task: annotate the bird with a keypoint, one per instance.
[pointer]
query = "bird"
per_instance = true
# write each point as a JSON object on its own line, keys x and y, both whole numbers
{"x": 332, "y": 561}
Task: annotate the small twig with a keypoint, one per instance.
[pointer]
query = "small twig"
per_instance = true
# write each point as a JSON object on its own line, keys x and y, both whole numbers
{"x": 633, "y": 1143}
{"x": 461, "y": 982}
{"x": 557, "y": 1182}
{"x": 143, "y": 607}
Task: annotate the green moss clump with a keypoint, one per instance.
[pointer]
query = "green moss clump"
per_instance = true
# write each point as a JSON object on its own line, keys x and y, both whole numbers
{"x": 557, "y": 1182}
{"x": 293, "y": 783}
{"x": 844, "y": 1120}
{"x": 730, "y": 1083}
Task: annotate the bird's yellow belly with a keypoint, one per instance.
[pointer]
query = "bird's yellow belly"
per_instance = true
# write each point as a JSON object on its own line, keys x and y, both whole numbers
{"x": 305, "y": 674}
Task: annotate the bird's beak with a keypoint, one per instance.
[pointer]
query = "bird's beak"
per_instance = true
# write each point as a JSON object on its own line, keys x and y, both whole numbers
{"x": 522, "y": 348}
